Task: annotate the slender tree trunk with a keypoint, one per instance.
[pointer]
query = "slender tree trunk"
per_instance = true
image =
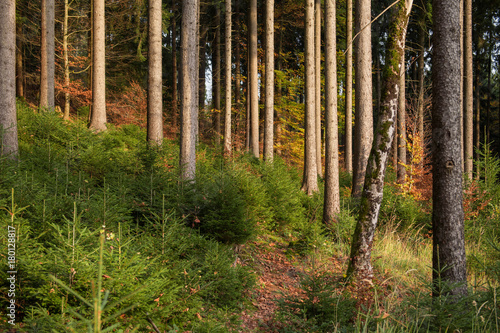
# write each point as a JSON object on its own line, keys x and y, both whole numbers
{"x": 19, "y": 61}
{"x": 421, "y": 77}
{"x": 317, "y": 67}
{"x": 478, "y": 112}
{"x": 371, "y": 199}
{"x": 348, "y": 92}
{"x": 227, "y": 117}
{"x": 8, "y": 119}
{"x": 488, "y": 103}
{"x": 237, "y": 91}
{"x": 253, "y": 80}
{"x": 67, "y": 96}
{"x": 448, "y": 259}
{"x": 363, "y": 131}
{"x": 332, "y": 198}
{"x": 47, "y": 68}
{"x": 174, "y": 66}
{"x": 189, "y": 91}
{"x": 217, "y": 77}
{"x": 155, "y": 86}
{"x": 468, "y": 91}
{"x": 269, "y": 103}
{"x": 310, "y": 181}
{"x": 98, "y": 119}
{"x": 401, "y": 118}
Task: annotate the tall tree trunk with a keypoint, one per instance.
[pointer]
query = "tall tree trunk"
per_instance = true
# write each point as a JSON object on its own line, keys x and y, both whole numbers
{"x": 98, "y": 118}
{"x": 348, "y": 92}
{"x": 332, "y": 198}
{"x": 8, "y": 119}
{"x": 371, "y": 199}
{"x": 448, "y": 255}
{"x": 401, "y": 118}
{"x": 237, "y": 90}
{"x": 227, "y": 117}
{"x": 174, "y": 65}
{"x": 421, "y": 77}
{"x": 19, "y": 60}
{"x": 189, "y": 91}
{"x": 67, "y": 96}
{"x": 253, "y": 80}
{"x": 468, "y": 91}
{"x": 310, "y": 181}
{"x": 216, "y": 77}
{"x": 47, "y": 67}
{"x": 478, "y": 112}
{"x": 462, "y": 64}
{"x": 363, "y": 130}
{"x": 155, "y": 86}
{"x": 269, "y": 103}
{"x": 317, "y": 76}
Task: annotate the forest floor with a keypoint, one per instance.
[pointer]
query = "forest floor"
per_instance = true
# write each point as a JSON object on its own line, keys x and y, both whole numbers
{"x": 279, "y": 273}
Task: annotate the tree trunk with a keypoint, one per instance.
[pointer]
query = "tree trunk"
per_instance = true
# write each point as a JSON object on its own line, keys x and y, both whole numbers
{"x": 98, "y": 118}
{"x": 253, "y": 80}
{"x": 155, "y": 86}
{"x": 363, "y": 130}
{"x": 19, "y": 61}
{"x": 310, "y": 181}
{"x": 67, "y": 96}
{"x": 189, "y": 91}
{"x": 360, "y": 258}
{"x": 478, "y": 112}
{"x": 269, "y": 103}
{"x": 421, "y": 78}
{"x": 448, "y": 259}
{"x": 332, "y": 198}
{"x": 227, "y": 117}
{"x": 216, "y": 75}
{"x": 8, "y": 119}
{"x": 174, "y": 65}
{"x": 317, "y": 76}
{"x": 401, "y": 118}
{"x": 47, "y": 57}
{"x": 348, "y": 92}
{"x": 468, "y": 91}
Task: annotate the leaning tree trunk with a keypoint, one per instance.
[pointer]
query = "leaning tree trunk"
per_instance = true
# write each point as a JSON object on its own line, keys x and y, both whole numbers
{"x": 449, "y": 272}
{"x": 155, "y": 96}
{"x": 8, "y": 120}
{"x": 332, "y": 199}
{"x": 371, "y": 198}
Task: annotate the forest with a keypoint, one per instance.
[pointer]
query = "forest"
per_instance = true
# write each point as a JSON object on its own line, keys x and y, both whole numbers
{"x": 249, "y": 166}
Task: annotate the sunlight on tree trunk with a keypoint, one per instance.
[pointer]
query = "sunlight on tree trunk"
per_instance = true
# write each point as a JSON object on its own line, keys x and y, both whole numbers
{"x": 317, "y": 67}
{"x": 47, "y": 56}
{"x": 269, "y": 105}
{"x": 227, "y": 115}
{"x": 348, "y": 92}
{"x": 253, "y": 81}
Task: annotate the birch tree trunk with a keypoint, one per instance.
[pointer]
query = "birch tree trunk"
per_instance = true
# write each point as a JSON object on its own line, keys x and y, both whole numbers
{"x": 155, "y": 86}
{"x": 98, "y": 117}
{"x": 310, "y": 181}
{"x": 363, "y": 131}
{"x": 348, "y": 92}
{"x": 8, "y": 119}
{"x": 47, "y": 67}
{"x": 361, "y": 248}
{"x": 332, "y": 198}
{"x": 448, "y": 256}
{"x": 227, "y": 116}
{"x": 189, "y": 91}
{"x": 269, "y": 103}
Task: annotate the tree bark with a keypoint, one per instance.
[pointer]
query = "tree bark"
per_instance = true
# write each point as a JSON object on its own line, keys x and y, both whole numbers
{"x": 174, "y": 65}
{"x": 348, "y": 92}
{"x": 401, "y": 119}
{"x": 371, "y": 199}
{"x": 227, "y": 116}
{"x": 269, "y": 102}
{"x": 468, "y": 91}
{"x": 216, "y": 75}
{"x": 155, "y": 86}
{"x": 98, "y": 117}
{"x": 317, "y": 84}
{"x": 310, "y": 181}
{"x": 253, "y": 81}
{"x": 189, "y": 91}
{"x": 363, "y": 130}
{"x": 448, "y": 259}
{"x": 8, "y": 119}
{"x": 332, "y": 198}
{"x": 47, "y": 67}
{"x": 67, "y": 96}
